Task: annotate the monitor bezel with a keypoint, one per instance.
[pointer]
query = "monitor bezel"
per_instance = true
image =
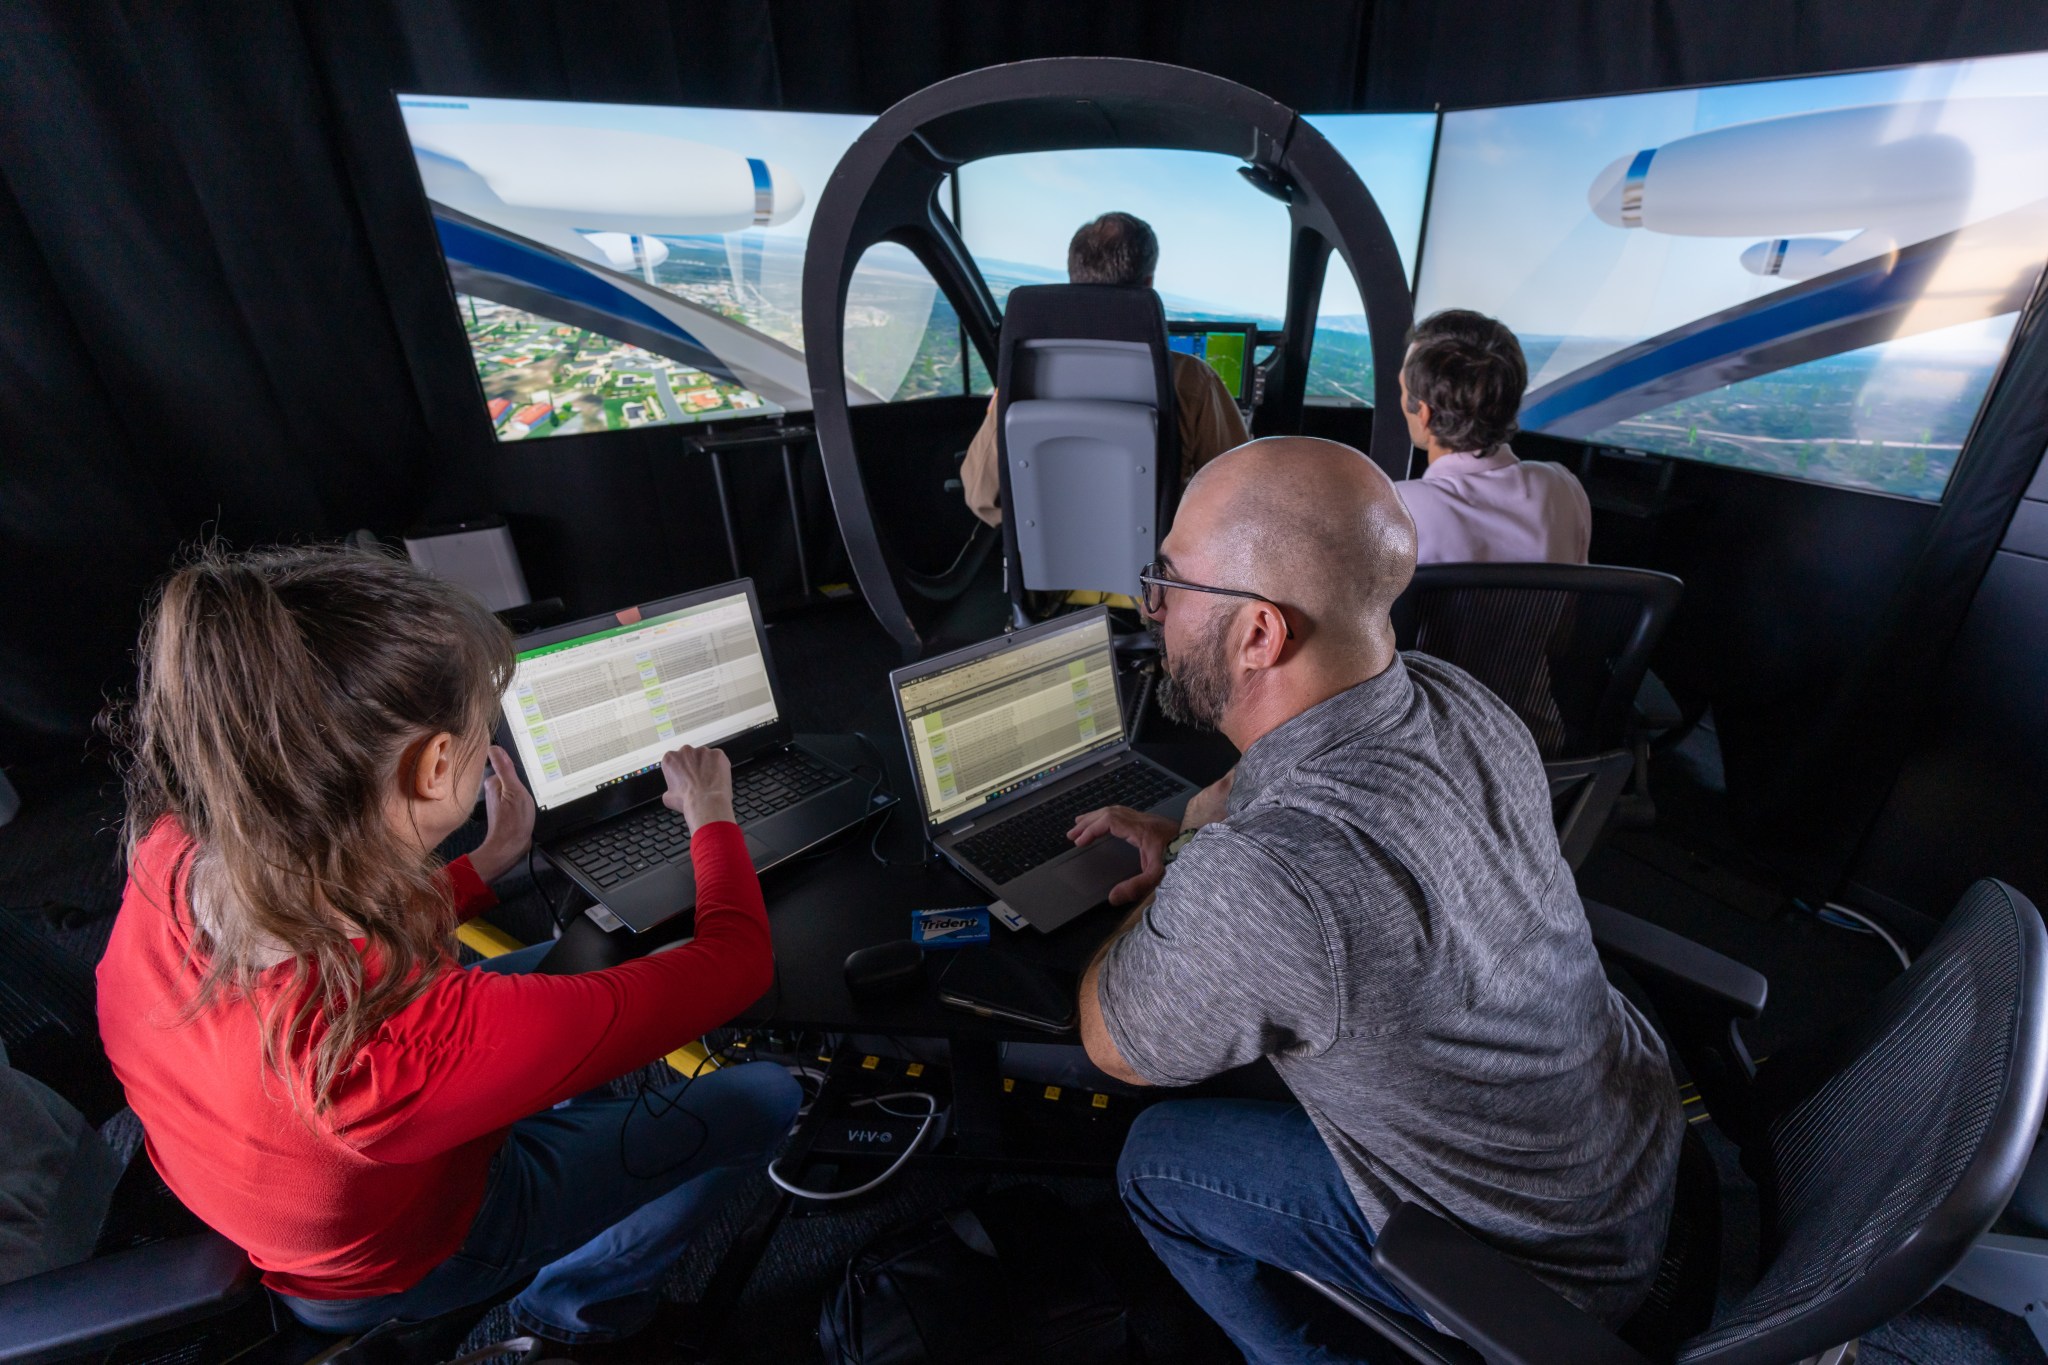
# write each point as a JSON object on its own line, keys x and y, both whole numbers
{"x": 926, "y": 668}
{"x": 643, "y": 787}
{"x": 1250, "y": 331}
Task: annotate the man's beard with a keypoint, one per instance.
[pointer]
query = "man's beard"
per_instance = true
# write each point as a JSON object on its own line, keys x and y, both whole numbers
{"x": 1194, "y": 688}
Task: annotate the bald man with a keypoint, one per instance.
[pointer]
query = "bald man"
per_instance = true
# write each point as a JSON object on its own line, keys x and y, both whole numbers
{"x": 1376, "y": 902}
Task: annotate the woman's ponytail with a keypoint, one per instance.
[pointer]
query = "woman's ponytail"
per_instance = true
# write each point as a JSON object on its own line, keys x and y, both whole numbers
{"x": 278, "y": 692}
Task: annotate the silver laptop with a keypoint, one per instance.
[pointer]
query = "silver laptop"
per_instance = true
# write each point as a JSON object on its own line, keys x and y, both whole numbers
{"x": 1010, "y": 741}
{"x": 592, "y": 707}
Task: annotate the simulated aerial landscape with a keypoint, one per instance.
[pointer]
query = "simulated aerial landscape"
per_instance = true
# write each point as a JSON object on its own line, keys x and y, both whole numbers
{"x": 544, "y": 378}
{"x": 1891, "y": 424}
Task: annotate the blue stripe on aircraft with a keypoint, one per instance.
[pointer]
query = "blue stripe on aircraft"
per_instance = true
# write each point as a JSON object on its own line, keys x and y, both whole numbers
{"x": 763, "y": 182}
{"x": 1861, "y": 295}
{"x": 551, "y": 274}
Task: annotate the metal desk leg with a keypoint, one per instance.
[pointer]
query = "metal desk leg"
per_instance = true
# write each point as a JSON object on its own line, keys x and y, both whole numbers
{"x": 977, "y": 1095}
{"x": 796, "y": 524}
{"x": 732, "y": 539}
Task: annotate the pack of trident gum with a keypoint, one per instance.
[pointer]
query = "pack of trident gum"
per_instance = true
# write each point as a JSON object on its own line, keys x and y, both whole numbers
{"x": 949, "y": 928}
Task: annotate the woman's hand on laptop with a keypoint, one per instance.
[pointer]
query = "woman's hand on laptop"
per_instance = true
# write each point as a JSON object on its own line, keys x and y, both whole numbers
{"x": 1149, "y": 834}
{"x": 508, "y": 819}
{"x": 699, "y": 785}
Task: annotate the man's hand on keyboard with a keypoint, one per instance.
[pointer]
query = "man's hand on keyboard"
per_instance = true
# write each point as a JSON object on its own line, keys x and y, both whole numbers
{"x": 699, "y": 785}
{"x": 1149, "y": 834}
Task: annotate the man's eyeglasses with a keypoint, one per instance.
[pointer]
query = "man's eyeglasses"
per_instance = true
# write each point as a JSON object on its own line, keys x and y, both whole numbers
{"x": 1153, "y": 583}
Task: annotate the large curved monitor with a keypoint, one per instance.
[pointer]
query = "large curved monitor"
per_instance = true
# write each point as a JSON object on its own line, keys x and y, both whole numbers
{"x": 1223, "y": 245}
{"x": 1813, "y": 278}
{"x": 618, "y": 266}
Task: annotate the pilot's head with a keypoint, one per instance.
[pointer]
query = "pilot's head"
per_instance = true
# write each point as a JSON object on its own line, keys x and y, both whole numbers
{"x": 1462, "y": 382}
{"x": 1116, "y": 248}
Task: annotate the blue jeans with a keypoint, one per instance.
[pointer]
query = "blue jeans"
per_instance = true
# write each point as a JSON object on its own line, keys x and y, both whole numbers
{"x": 1235, "y": 1194}
{"x": 594, "y": 1200}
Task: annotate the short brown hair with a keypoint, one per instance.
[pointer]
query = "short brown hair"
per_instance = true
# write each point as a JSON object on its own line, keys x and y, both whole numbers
{"x": 1470, "y": 370}
{"x": 1117, "y": 248}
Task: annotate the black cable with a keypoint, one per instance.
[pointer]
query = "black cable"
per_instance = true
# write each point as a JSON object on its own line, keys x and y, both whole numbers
{"x": 875, "y": 838}
{"x": 956, "y": 578}
{"x": 958, "y": 559}
{"x": 881, "y": 765}
{"x": 645, "y": 1099}
{"x": 875, "y": 843}
{"x": 554, "y": 911}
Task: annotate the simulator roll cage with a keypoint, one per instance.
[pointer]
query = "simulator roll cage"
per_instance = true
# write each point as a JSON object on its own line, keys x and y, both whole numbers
{"x": 886, "y": 189}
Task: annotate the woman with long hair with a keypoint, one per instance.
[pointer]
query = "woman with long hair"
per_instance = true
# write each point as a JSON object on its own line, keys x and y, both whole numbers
{"x": 316, "y": 1077}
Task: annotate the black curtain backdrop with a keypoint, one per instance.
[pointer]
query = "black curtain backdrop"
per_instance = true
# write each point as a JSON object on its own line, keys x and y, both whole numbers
{"x": 222, "y": 310}
{"x": 1422, "y": 54}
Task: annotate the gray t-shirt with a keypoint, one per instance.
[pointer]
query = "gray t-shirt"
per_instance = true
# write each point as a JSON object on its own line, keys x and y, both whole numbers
{"x": 1386, "y": 915}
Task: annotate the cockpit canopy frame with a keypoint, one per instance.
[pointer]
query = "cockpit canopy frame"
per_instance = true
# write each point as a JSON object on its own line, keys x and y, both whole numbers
{"x": 887, "y": 189}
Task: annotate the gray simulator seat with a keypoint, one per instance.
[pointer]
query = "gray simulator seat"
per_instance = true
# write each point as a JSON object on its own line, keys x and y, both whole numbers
{"x": 1083, "y": 456}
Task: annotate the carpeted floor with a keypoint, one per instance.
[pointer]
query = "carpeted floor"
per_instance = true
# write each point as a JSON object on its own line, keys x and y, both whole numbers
{"x": 60, "y": 872}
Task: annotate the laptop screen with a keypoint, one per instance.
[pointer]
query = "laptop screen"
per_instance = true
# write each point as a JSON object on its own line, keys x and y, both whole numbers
{"x": 990, "y": 724}
{"x": 592, "y": 711}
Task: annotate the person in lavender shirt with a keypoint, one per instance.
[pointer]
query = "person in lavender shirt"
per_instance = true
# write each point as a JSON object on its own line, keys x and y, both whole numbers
{"x": 1461, "y": 388}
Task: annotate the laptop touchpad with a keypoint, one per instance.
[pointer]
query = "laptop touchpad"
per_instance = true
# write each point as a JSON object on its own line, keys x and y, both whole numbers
{"x": 1098, "y": 867}
{"x": 759, "y": 851}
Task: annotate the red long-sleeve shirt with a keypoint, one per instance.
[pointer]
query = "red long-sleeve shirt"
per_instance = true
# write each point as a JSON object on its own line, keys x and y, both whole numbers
{"x": 369, "y": 1196}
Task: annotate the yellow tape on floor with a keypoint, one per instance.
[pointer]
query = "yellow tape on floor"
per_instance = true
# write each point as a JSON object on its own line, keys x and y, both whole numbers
{"x": 487, "y": 939}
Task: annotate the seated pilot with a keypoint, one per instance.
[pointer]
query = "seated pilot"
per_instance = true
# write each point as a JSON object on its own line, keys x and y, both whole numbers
{"x": 1461, "y": 388}
{"x": 1120, "y": 249}
{"x": 1374, "y": 901}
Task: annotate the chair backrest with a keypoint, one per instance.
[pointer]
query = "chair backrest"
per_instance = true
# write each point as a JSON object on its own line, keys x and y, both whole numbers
{"x": 1888, "y": 1148}
{"x": 1088, "y": 435}
{"x": 1681, "y": 1298}
{"x": 1564, "y": 645}
{"x": 49, "y": 1022}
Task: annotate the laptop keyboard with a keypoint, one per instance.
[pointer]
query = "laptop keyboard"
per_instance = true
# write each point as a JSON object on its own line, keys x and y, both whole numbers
{"x": 658, "y": 835}
{"x": 1006, "y": 851}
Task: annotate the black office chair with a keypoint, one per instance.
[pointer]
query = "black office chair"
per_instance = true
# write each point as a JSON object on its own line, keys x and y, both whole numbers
{"x": 1881, "y": 1152}
{"x": 195, "y": 1298}
{"x": 1087, "y": 436}
{"x": 1566, "y": 647}
{"x": 162, "y": 1286}
{"x": 48, "y": 1020}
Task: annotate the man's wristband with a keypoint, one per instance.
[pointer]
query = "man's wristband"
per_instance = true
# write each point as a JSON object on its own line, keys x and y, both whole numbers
{"x": 1173, "y": 849}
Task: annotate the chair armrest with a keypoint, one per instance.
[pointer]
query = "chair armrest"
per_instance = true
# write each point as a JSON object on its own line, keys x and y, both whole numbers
{"x": 1669, "y": 962}
{"x": 94, "y": 1305}
{"x": 1597, "y": 782}
{"x": 1492, "y": 1304}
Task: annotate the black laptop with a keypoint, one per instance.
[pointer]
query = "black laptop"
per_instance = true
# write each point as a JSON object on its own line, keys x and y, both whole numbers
{"x": 1011, "y": 740}
{"x": 593, "y": 706}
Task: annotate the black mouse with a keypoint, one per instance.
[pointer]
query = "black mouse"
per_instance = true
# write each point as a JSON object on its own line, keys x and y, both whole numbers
{"x": 884, "y": 968}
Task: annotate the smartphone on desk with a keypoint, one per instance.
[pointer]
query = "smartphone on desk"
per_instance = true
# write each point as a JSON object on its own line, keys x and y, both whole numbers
{"x": 1001, "y": 986}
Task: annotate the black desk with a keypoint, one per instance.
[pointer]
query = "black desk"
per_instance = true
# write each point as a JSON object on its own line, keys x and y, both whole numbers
{"x": 828, "y": 904}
